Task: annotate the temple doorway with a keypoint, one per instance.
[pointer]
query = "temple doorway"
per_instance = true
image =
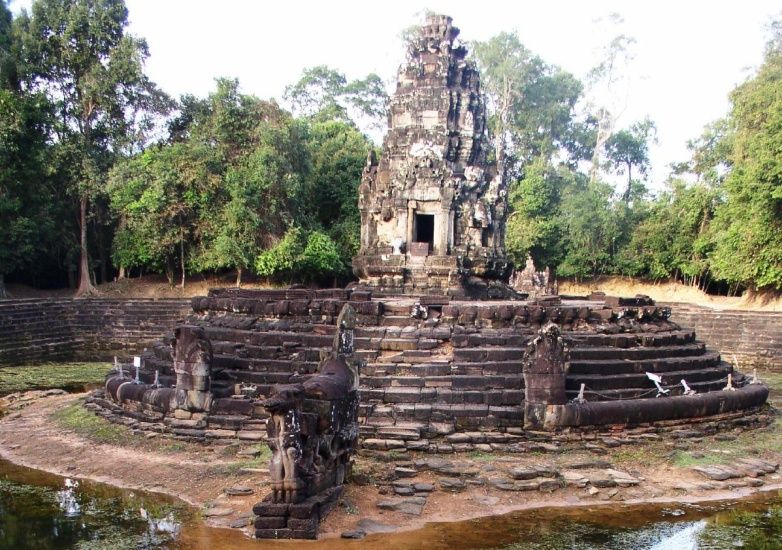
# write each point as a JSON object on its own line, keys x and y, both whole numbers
{"x": 423, "y": 229}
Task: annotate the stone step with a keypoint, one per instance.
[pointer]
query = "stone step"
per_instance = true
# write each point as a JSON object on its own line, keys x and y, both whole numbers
{"x": 619, "y": 381}
{"x": 615, "y": 367}
{"x": 644, "y": 392}
{"x": 635, "y": 353}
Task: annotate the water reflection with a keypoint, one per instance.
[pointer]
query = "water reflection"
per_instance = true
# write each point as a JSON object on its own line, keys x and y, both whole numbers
{"x": 41, "y": 511}
{"x": 67, "y": 499}
{"x": 38, "y": 510}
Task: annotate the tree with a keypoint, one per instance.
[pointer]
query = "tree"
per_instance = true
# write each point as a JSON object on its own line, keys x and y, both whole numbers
{"x": 301, "y": 255}
{"x": 265, "y": 194}
{"x": 606, "y": 88}
{"x": 590, "y": 229}
{"x": 162, "y": 197}
{"x": 628, "y": 149}
{"x": 25, "y": 216}
{"x": 324, "y": 90}
{"x": 748, "y": 243}
{"x": 338, "y": 152}
{"x": 534, "y": 227}
{"x": 78, "y": 54}
{"x": 531, "y": 102}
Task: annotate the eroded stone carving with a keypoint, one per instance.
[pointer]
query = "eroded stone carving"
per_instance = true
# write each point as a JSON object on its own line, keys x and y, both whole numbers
{"x": 545, "y": 366}
{"x": 192, "y": 353}
{"x": 533, "y": 283}
{"x": 313, "y": 431}
{"x": 433, "y": 183}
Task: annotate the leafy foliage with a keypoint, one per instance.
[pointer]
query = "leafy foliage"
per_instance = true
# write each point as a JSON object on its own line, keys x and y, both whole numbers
{"x": 749, "y": 237}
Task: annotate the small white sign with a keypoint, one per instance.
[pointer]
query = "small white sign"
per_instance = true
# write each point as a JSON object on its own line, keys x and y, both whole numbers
{"x": 137, "y": 361}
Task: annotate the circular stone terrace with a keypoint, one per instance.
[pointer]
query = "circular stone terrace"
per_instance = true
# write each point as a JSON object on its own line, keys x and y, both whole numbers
{"x": 440, "y": 375}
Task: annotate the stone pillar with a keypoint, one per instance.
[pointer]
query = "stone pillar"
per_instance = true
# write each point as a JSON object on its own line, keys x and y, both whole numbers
{"x": 545, "y": 366}
{"x": 193, "y": 367}
{"x": 410, "y": 220}
{"x": 441, "y": 233}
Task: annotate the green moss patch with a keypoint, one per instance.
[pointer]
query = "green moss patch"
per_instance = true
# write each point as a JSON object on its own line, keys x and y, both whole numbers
{"x": 69, "y": 376}
{"x": 77, "y": 419}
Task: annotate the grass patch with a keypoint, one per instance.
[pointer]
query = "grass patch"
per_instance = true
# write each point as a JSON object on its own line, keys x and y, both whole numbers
{"x": 51, "y": 375}
{"x": 482, "y": 456}
{"x": 234, "y": 468}
{"x": 684, "y": 459}
{"x": 87, "y": 424}
{"x": 647, "y": 453}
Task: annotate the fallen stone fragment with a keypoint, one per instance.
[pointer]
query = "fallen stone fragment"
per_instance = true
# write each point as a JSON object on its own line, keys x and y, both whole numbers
{"x": 602, "y": 481}
{"x": 503, "y": 484}
{"x": 523, "y": 473}
{"x": 370, "y": 526}
{"x": 404, "y": 490}
{"x": 717, "y": 473}
{"x": 423, "y": 487}
{"x": 413, "y": 506}
{"x": 241, "y": 522}
{"x": 623, "y": 479}
{"x": 217, "y": 511}
{"x": 574, "y": 479}
{"x": 763, "y": 465}
{"x": 589, "y": 465}
{"x": 401, "y": 472}
{"x": 354, "y": 534}
{"x": 238, "y": 490}
{"x": 549, "y": 485}
{"x": 451, "y": 484}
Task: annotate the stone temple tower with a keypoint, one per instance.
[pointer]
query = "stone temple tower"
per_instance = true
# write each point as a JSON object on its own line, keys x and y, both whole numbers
{"x": 433, "y": 209}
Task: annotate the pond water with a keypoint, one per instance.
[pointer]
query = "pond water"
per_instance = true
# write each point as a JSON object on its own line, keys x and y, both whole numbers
{"x": 41, "y": 511}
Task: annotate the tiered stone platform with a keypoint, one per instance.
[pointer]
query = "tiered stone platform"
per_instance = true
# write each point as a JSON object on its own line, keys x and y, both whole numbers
{"x": 437, "y": 373}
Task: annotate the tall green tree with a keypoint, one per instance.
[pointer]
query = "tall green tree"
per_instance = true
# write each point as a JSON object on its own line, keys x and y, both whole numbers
{"x": 628, "y": 149}
{"x": 531, "y": 102}
{"x": 327, "y": 93}
{"x": 675, "y": 238}
{"x": 591, "y": 230}
{"x": 338, "y": 153}
{"x": 534, "y": 227}
{"x": 264, "y": 195}
{"x": 78, "y": 53}
{"x": 161, "y": 196}
{"x": 749, "y": 239}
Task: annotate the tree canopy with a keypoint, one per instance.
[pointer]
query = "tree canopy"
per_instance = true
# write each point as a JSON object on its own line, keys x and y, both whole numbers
{"x": 234, "y": 183}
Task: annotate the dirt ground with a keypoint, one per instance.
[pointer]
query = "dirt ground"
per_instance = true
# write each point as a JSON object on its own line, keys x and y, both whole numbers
{"x": 158, "y": 287}
{"x": 672, "y": 292}
{"x": 199, "y": 474}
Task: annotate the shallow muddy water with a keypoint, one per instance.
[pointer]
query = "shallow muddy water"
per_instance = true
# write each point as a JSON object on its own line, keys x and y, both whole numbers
{"x": 41, "y": 511}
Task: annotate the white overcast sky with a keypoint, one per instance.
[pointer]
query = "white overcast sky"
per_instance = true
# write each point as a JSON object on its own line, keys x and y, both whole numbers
{"x": 689, "y": 55}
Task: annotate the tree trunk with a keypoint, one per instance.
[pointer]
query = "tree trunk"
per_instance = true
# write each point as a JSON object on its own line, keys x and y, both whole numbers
{"x": 85, "y": 284}
{"x": 182, "y": 254}
{"x": 239, "y": 277}
{"x": 3, "y": 291}
{"x": 104, "y": 258}
{"x": 629, "y": 189}
{"x": 169, "y": 271}
{"x": 121, "y": 275}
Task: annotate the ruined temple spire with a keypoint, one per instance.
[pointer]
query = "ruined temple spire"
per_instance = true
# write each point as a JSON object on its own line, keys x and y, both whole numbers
{"x": 433, "y": 208}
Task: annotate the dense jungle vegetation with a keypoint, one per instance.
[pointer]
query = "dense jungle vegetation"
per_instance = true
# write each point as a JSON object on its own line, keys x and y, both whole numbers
{"x": 102, "y": 175}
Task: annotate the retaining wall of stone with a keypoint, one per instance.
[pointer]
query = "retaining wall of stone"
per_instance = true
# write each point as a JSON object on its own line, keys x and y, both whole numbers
{"x": 34, "y": 330}
{"x": 64, "y": 329}
{"x": 748, "y": 339}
